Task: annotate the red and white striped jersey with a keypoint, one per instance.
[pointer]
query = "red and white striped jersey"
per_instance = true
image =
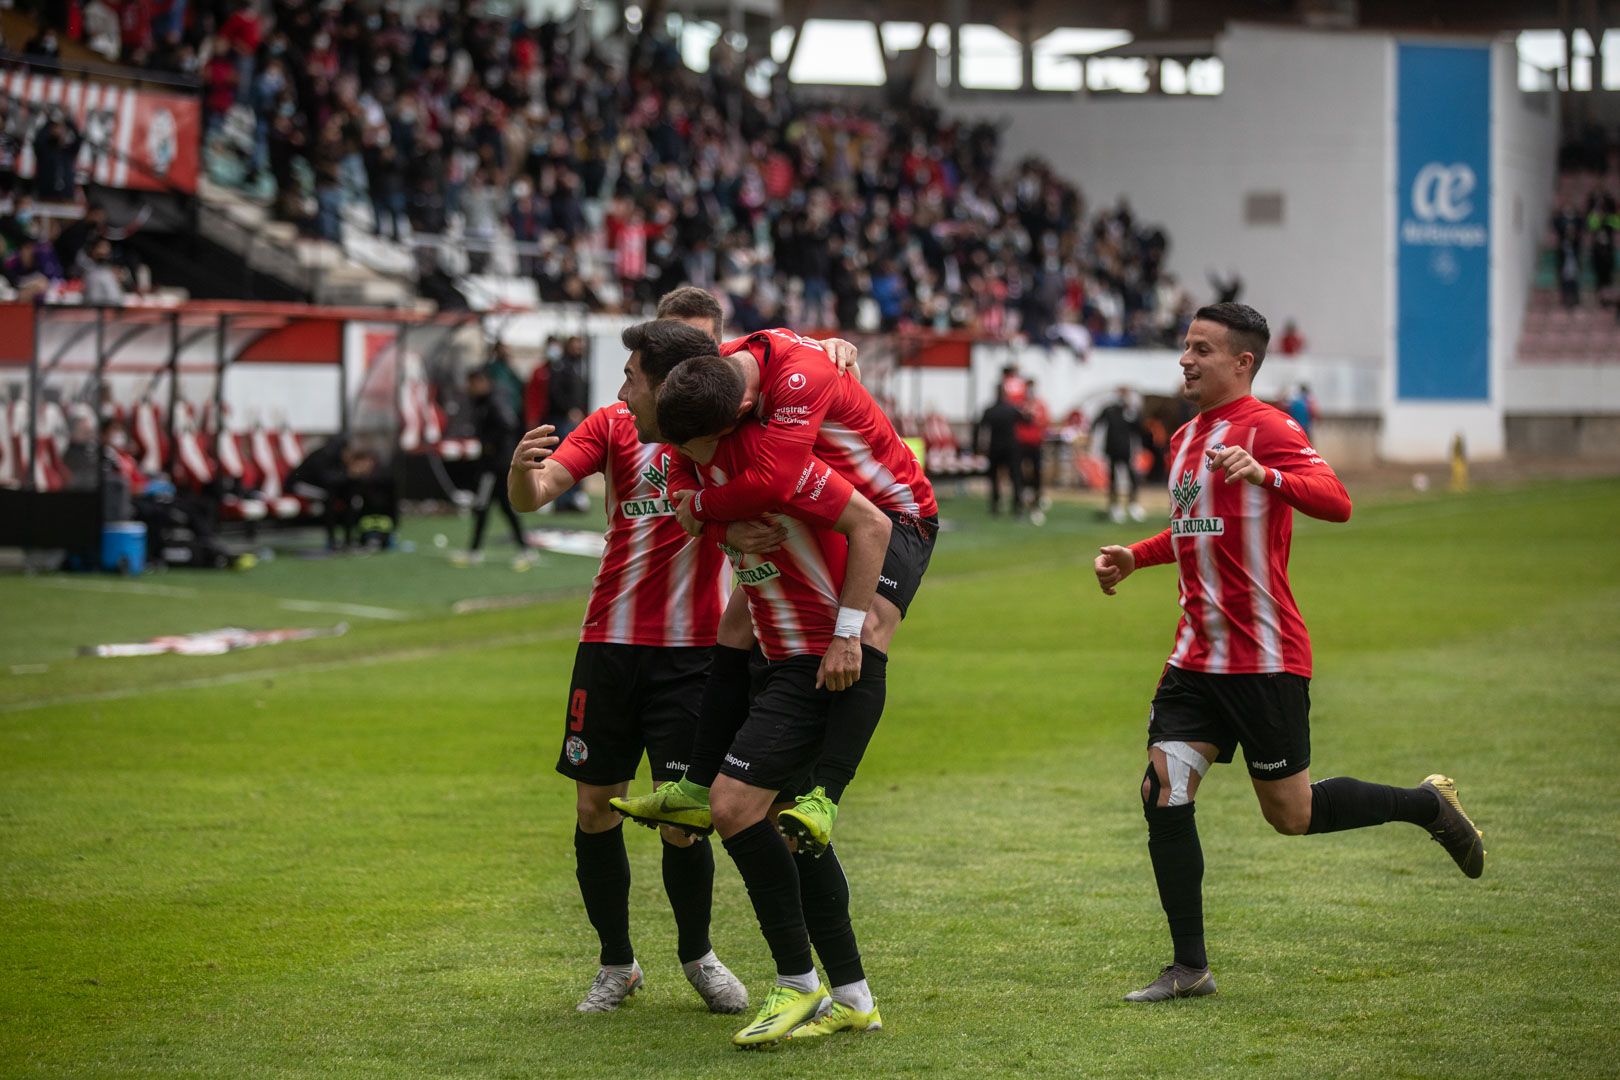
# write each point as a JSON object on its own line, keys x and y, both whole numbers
{"x": 792, "y": 591}
{"x": 656, "y": 586}
{"x": 806, "y": 407}
{"x": 1231, "y": 540}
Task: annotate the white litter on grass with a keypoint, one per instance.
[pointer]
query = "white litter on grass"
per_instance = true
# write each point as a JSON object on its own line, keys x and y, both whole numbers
{"x": 211, "y": 642}
{"x": 363, "y": 611}
{"x": 569, "y": 542}
{"x": 131, "y": 587}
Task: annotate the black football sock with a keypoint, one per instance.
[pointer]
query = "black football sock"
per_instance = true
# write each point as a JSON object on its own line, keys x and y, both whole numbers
{"x": 721, "y": 713}
{"x": 1342, "y": 803}
{"x": 1178, "y": 867}
{"x": 852, "y": 718}
{"x": 603, "y": 870}
{"x": 689, "y": 882}
{"x": 825, "y": 892}
{"x": 772, "y": 880}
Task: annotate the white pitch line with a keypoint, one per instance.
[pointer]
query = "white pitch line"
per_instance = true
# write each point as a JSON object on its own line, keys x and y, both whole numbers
{"x": 361, "y": 610}
{"x": 130, "y": 587}
{"x": 207, "y": 681}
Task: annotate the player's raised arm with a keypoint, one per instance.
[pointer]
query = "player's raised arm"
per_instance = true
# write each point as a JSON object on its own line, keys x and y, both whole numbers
{"x": 541, "y": 470}
{"x": 533, "y": 480}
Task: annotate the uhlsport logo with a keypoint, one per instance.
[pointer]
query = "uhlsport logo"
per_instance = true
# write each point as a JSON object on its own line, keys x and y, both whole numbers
{"x": 1440, "y": 204}
{"x": 796, "y": 381}
{"x": 1269, "y": 766}
{"x": 576, "y": 750}
{"x": 1186, "y": 492}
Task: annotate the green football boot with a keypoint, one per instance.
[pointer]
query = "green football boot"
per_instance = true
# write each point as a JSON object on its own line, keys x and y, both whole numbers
{"x": 840, "y": 1017}
{"x": 669, "y": 804}
{"x": 785, "y": 1009}
{"x": 810, "y": 821}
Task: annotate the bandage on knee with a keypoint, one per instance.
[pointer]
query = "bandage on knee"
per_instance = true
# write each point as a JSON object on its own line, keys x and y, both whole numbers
{"x": 1180, "y": 762}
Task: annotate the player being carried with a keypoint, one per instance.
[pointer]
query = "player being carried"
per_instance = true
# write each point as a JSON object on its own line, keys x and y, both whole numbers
{"x": 1240, "y": 671}
{"x": 807, "y": 598}
{"x": 803, "y": 405}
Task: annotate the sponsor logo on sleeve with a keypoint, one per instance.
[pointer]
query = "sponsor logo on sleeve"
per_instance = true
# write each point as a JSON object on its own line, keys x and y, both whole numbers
{"x": 791, "y": 415}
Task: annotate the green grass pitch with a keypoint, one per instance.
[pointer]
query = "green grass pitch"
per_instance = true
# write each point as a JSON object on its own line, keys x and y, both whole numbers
{"x": 351, "y": 857}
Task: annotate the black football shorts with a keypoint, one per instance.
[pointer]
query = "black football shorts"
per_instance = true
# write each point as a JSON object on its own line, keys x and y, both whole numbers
{"x": 626, "y": 700}
{"x": 1269, "y": 716}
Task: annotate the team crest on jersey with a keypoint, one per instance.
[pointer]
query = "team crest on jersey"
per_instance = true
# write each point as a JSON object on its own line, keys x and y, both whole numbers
{"x": 657, "y": 473}
{"x": 575, "y": 750}
{"x": 1186, "y": 492}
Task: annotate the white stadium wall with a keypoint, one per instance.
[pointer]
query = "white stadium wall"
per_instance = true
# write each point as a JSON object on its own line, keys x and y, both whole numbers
{"x": 1304, "y": 115}
{"x": 1314, "y": 118}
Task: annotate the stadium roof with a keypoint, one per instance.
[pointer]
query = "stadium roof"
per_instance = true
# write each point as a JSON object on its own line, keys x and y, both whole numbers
{"x": 1184, "y": 18}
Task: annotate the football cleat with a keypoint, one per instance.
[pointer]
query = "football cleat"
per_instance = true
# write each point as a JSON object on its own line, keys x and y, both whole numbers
{"x": 1453, "y": 830}
{"x": 809, "y": 821}
{"x": 667, "y": 805}
{"x": 840, "y": 1017}
{"x": 722, "y": 991}
{"x": 1176, "y": 981}
{"x": 610, "y": 988}
{"x": 784, "y": 1010}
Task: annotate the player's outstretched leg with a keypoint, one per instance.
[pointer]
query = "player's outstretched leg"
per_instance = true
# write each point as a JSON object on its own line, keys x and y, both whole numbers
{"x": 824, "y": 890}
{"x": 689, "y": 883}
{"x": 1342, "y": 802}
{"x": 1172, "y": 778}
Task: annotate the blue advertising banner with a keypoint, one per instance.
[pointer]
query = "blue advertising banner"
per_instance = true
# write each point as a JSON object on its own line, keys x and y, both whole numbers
{"x": 1443, "y": 223}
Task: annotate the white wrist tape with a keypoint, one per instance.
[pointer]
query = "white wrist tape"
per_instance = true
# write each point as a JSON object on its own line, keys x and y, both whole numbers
{"x": 850, "y": 621}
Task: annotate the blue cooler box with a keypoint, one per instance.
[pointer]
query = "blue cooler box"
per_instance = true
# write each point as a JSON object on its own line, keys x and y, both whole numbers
{"x": 123, "y": 547}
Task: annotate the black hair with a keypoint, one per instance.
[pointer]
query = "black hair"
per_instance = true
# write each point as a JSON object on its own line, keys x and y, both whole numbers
{"x": 1246, "y": 328}
{"x": 663, "y": 343}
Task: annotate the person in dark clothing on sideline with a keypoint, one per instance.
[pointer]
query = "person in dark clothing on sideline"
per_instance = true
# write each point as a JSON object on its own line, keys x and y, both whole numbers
{"x": 1122, "y": 434}
{"x": 498, "y": 434}
{"x": 1001, "y": 422}
{"x": 568, "y": 393}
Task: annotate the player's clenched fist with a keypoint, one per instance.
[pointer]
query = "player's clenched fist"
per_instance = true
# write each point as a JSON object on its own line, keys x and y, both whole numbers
{"x": 1113, "y": 565}
{"x": 536, "y": 445}
{"x": 1237, "y": 463}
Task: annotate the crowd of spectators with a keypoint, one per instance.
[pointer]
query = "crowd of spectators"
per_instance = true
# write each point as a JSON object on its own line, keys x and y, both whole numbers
{"x": 54, "y": 258}
{"x": 618, "y": 172}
